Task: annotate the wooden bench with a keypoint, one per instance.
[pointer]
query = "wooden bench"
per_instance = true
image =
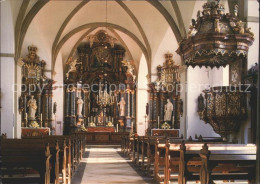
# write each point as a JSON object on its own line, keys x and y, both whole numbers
{"x": 18, "y": 159}
{"x": 208, "y": 162}
{"x": 64, "y": 154}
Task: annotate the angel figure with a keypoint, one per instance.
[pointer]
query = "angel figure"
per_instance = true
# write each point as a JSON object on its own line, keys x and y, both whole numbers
{"x": 72, "y": 64}
{"x": 130, "y": 68}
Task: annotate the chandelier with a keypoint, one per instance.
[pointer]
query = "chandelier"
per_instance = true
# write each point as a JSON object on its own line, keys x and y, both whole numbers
{"x": 104, "y": 98}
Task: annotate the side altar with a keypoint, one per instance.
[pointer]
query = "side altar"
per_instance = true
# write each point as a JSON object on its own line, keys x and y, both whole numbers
{"x": 28, "y": 132}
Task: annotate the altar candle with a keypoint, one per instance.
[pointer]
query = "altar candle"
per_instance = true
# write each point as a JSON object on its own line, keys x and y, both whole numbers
{"x": 158, "y": 122}
{"x": 117, "y": 127}
{"x": 41, "y": 119}
{"x": 112, "y": 119}
{"x": 25, "y": 119}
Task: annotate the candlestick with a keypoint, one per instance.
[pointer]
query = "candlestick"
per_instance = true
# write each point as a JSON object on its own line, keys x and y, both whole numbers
{"x": 41, "y": 120}
{"x": 25, "y": 119}
{"x": 158, "y": 122}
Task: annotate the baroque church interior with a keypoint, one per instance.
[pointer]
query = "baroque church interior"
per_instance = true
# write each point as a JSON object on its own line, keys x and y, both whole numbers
{"x": 127, "y": 91}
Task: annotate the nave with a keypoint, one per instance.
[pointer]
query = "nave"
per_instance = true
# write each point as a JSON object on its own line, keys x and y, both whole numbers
{"x": 106, "y": 164}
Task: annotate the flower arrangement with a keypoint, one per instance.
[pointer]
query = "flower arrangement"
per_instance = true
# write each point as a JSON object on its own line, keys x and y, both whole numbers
{"x": 83, "y": 129}
{"x": 34, "y": 124}
{"x": 110, "y": 124}
{"x": 165, "y": 125}
{"x": 92, "y": 124}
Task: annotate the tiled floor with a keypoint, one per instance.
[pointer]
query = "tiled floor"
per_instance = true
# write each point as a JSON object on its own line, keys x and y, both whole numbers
{"x": 104, "y": 164}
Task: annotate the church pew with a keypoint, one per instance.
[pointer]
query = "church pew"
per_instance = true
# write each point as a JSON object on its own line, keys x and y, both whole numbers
{"x": 65, "y": 154}
{"x": 38, "y": 144}
{"x": 15, "y": 156}
{"x": 71, "y": 153}
{"x": 208, "y": 162}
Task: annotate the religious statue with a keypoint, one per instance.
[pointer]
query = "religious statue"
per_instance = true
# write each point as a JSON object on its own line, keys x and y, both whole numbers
{"x": 201, "y": 106}
{"x": 168, "y": 109}
{"x": 122, "y": 107}
{"x": 32, "y": 108}
{"x": 72, "y": 64}
{"x": 100, "y": 117}
{"x": 80, "y": 104}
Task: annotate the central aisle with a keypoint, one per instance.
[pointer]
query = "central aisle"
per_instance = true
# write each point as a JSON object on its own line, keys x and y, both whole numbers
{"x": 104, "y": 164}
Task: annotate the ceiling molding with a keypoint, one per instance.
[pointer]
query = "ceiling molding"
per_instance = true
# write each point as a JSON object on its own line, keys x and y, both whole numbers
{"x": 102, "y": 24}
{"x": 7, "y": 55}
{"x": 167, "y": 17}
{"x": 64, "y": 24}
{"x": 26, "y": 23}
{"x": 135, "y": 20}
{"x": 19, "y": 20}
{"x": 179, "y": 17}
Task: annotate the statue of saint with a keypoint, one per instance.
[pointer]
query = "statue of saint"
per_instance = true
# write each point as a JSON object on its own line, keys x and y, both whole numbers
{"x": 80, "y": 104}
{"x": 122, "y": 107}
{"x": 100, "y": 117}
{"x": 168, "y": 109}
{"x": 32, "y": 108}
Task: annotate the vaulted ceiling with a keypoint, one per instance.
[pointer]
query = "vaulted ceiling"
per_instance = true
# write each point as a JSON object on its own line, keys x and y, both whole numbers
{"x": 59, "y": 26}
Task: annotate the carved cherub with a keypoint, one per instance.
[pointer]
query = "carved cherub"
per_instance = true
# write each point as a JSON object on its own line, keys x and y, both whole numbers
{"x": 192, "y": 31}
{"x": 72, "y": 64}
{"x": 248, "y": 30}
{"x": 236, "y": 10}
{"x": 217, "y": 26}
{"x": 91, "y": 39}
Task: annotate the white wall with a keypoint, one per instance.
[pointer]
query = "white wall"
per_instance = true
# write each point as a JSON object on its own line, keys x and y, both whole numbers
{"x": 58, "y": 95}
{"x": 7, "y": 71}
{"x": 142, "y": 98}
{"x": 198, "y": 79}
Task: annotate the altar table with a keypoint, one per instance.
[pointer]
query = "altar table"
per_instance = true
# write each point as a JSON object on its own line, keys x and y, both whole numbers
{"x": 35, "y": 131}
{"x": 100, "y": 129}
{"x": 165, "y": 132}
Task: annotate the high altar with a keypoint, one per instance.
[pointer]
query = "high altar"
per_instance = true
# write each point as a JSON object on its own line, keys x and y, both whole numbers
{"x": 100, "y": 91}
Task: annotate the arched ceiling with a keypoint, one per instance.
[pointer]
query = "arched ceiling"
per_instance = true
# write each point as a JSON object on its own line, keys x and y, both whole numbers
{"x": 61, "y": 25}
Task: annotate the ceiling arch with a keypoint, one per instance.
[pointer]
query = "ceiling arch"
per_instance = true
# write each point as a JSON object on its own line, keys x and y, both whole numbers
{"x": 96, "y": 25}
{"x": 64, "y": 24}
{"x": 167, "y": 17}
{"x": 26, "y": 23}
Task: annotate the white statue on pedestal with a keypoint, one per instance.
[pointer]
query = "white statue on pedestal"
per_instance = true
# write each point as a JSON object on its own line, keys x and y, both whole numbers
{"x": 80, "y": 105}
{"x": 122, "y": 107}
{"x": 32, "y": 108}
{"x": 168, "y": 109}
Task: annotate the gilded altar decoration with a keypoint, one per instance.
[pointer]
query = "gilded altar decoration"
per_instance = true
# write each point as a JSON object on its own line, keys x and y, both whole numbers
{"x": 165, "y": 125}
{"x": 110, "y": 124}
{"x": 34, "y": 124}
{"x": 165, "y": 104}
{"x": 98, "y": 78}
{"x": 35, "y": 102}
{"x": 223, "y": 108}
{"x": 92, "y": 124}
{"x": 215, "y": 38}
